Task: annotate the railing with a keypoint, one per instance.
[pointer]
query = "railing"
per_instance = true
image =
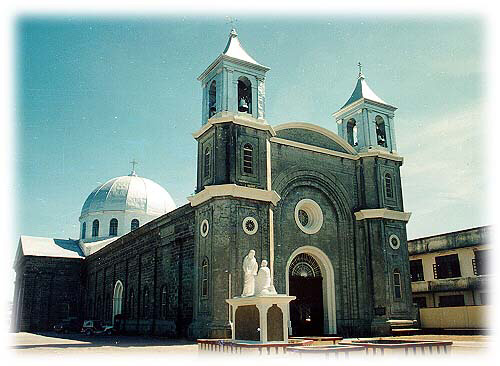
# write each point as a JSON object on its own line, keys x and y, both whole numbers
{"x": 383, "y": 347}
{"x": 235, "y": 347}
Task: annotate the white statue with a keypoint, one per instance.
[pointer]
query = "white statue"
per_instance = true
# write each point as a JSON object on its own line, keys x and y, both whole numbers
{"x": 250, "y": 267}
{"x": 263, "y": 285}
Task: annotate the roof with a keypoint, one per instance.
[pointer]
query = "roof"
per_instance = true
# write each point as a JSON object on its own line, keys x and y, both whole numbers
{"x": 49, "y": 247}
{"x": 363, "y": 91}
{"x": 94, "y": 246}
{"x": 129, "y": 193}
{"x": 235, "y": 50}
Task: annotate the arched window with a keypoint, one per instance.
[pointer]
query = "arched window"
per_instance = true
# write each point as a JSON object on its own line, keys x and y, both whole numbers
{"x": 164, "y": 302}
{"x": 206, "y": 162}
{"x": 113, "y": 227}
{"x": 212, "y": 99}
{"x": 130, "y": 305}
{"x": 204, "y": 278}
{"x": 352, "y": 132}
{"x": 248, "y": 159}
{"x": 145, "y": 303}
{"x": 84, "y": 230}
{"x": 117, "y": 299}
{"x": 95, "y": 228}
{"x": 134, "y": 224}
{"x": 380, "y": 126}
{"x": 388, "y": 186}
{"x": 244, "y": 95}
{"x": 397, "y": 284}
{"x": 107, "y": 308}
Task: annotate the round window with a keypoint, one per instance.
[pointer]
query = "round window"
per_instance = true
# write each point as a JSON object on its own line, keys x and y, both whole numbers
{"x": 394, "y": 241}
{"x": 250, "y": 225}
{"x": 308, "y": 216}
{"x": 204, "y": 227}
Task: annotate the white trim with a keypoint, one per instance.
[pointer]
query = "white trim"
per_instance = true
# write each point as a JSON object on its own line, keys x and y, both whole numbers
{"x": 232, "y": 190}
{"x": 203, "y": 232}
{"x": 255, "y": 228}
{"x": 382, "y": 213}
{"x": 330, "y": 319}
{"x": 322, "y": 150}
{"x": 323, "y": 131}
{"x": 314, "y": 214}
{"x": 395, "y": 247}
{"x": 243, "y": 119}
{"x": 318, "y": 149}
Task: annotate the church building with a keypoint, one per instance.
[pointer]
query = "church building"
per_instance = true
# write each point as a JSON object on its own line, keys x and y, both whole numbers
{"x": 324, "y": 209}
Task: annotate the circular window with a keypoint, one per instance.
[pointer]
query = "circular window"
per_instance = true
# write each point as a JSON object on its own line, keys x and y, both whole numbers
{"x": 250, "y": 225}
{"x": 394, "y": 241}
{"x": 204, "y": 227}
{"x": 308, "y": 216}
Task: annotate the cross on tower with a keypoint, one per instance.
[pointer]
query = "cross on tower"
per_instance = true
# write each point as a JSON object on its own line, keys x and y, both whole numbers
{"x": 134, "y": 163}
{"x": 232, "y": 21}
{"x": 359, "y": 65}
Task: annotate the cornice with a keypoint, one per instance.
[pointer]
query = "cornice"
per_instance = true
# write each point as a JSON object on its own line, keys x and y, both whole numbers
{"x": 233, "y": 190}
{"x": 382, "y": 213}
{"x": 238, "y": 119}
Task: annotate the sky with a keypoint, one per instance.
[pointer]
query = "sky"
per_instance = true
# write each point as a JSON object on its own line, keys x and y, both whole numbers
{"x": 93, "y": 93}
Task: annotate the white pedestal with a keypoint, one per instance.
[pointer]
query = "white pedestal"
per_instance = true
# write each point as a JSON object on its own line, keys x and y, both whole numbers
{"x": 247, "y": 324}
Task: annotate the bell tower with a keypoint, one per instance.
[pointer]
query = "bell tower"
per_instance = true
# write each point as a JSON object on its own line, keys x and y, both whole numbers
{"x": 233, "y": 83}
{"x": 366, "y": 121}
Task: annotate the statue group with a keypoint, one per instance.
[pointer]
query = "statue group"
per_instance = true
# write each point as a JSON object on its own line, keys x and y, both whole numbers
{"x": 256, "y": 283}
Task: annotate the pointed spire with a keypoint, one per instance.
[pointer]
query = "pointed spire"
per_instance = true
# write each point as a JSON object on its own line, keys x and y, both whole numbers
{"x": 362, "y": 90}
{"x": 235, "y": 50}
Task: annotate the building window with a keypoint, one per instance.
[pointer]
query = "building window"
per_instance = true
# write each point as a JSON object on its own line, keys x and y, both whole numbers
{"x": 206, "y": 160}
{"x": 84, "y": 230}
{"x": 479, "y": 262}
{"x": 397, "y": 284}
{"x": 204, "y": 278}
{"x": 212, "y": 98}
{"x": 98, "y": 308}
{"x": 447, "y": 266}
{"x": 352, "y": 132}
{"x": 164, "y": 303}
{"x": 248, "y": 159}
{"x": 145, "y": 303}
{"x": 244, "y": 95}
{"x": 451, "y": 300}
{"x": 113, "y": 227}
{"x": 107, "y": 308}
{"x": 389, "y": 193}
{"x": 420, "y": 301}
{"x": 130, "y": 304}
{"x": 134, "y": 224}
{"x": 416, "y": 270}
{"x": 95, "y": 228}
{"x": 308, "y": 216}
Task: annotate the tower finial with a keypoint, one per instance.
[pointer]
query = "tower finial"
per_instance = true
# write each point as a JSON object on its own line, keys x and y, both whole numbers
{"x": 360, "y": 72}
{"x": 233, "y": 25}
{"x": 134, "y": 163}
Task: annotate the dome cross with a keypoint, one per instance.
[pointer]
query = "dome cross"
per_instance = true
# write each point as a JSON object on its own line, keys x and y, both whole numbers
{"x": 134, "y": 163}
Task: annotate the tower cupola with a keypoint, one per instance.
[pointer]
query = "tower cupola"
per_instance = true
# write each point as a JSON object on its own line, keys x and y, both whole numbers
{"x": 366, "y": 121}
{"x": 234, "y": 83}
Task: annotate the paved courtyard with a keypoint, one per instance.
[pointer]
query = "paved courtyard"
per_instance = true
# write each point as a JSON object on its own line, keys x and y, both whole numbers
{"x": 51, "y": 343}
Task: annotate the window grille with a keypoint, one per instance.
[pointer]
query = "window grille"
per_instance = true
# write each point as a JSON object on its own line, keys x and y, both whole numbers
{"x": 164, "y": 303}
{"x": 446, "y": 266}
{"x": 248, "y": 159}
{"x": 416, "y": 270}
{"x": 207, "y": 162}
{"x": 134, "y": 224}
{"x": 95, "y": 228}
{"x": 397, "y": 284}
{"x": 204, "y": 278}
{"x": 388, "y": 186}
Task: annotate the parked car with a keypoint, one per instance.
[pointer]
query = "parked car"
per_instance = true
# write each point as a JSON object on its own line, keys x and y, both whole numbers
{"x": 68, "y": 325}
{"x": 91, "y": 327}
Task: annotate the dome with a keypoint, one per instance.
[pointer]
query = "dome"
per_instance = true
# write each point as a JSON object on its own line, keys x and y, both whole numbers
{"x": 129, "y": 193}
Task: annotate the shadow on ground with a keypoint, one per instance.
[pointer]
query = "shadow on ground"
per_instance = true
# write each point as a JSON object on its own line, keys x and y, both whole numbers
{"x": 58, "y": 340}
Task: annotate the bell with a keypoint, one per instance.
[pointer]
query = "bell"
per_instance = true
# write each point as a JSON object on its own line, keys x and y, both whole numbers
{"x": 243, "y": 107}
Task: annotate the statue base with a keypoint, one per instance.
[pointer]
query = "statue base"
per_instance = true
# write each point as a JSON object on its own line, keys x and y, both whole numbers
{"x": 261, "y": 319}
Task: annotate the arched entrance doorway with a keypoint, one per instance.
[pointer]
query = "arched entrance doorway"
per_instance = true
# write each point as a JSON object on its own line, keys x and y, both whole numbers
{"x": 117, "y": 299}
{"x": 309, "y": 277}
